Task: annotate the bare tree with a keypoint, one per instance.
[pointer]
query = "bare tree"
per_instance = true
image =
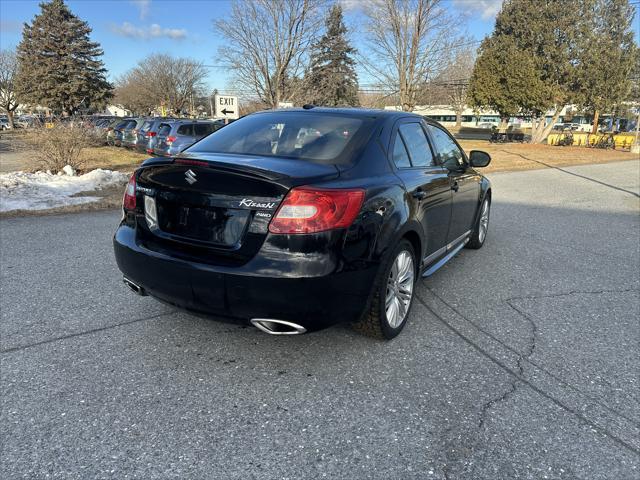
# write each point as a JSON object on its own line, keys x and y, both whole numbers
{"x": 8, "y": 70}
{"x": 409, "y": 43}
{"x": 268, "y": 43}
{"x": 454, "y": 81}
{"x": 161, "y": 80}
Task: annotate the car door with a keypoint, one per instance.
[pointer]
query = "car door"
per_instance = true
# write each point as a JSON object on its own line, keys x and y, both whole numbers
{"x": 426, "y": 183}
{"x": 463, "y": 180}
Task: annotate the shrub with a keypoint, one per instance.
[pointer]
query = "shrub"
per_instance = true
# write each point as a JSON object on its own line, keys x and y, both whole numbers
{"x": 61, "y": 144}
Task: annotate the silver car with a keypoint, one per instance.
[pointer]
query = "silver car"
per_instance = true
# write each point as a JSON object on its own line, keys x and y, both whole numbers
{"x": 175, "y": 136}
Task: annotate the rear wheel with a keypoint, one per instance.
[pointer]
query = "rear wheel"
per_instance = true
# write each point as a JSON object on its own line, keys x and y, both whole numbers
{"x": 482, "y": 226}
{"x": 393, "y": 295}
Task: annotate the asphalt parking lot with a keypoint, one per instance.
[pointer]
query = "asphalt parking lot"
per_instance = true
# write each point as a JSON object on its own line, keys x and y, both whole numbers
{"x": 520, "y": 359}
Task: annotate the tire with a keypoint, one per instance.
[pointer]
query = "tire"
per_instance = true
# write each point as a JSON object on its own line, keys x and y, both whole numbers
{"x": 389, "y": 289}
{"x": 481, "y": 227}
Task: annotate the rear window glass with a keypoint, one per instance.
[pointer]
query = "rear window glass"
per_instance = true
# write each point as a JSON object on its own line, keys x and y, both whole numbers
{"x": 146, "y": 126}
{"x": 185, "y": 130}
{"x": 164, "y": 129}
{"x": 299, "y": 135}
{"x": 202, "y": 129}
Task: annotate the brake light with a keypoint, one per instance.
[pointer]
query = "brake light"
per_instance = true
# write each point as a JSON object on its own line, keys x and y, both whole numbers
{"x": 129, "y": 199}
{"x": 171, "y": 139}
{"x": 197, "y": 163}
{"x": 150, "y": 134}
{"x": 309, "y": 210}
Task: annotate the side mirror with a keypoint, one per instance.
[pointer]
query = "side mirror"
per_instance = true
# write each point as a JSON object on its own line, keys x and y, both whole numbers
{"x": 478, "y": 158}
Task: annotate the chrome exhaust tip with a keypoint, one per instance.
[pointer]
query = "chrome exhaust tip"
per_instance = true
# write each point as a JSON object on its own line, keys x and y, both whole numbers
{"x": 134, "y": 287}
{"x": 278, "y": 327}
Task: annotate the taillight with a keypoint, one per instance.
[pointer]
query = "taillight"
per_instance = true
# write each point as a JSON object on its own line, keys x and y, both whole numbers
{"x": 309, "y": 210}
{"x": 171, "y": 139}
{"x": 129, "y": 199}
{"x": 150, "y": 134}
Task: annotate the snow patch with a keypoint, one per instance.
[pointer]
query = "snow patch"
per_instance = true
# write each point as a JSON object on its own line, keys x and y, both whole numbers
{"x": 43, "y": 190}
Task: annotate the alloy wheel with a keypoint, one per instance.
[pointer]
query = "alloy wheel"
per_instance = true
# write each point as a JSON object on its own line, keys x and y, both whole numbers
{"x": 399, "y": 289}
{"x": 484, "y": 221}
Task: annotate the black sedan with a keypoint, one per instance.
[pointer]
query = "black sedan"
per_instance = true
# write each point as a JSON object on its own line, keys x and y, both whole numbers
{"x": 295, "y": 220}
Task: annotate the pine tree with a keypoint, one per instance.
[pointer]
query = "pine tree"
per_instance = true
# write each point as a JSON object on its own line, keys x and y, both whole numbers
{"x": 58, "y": 65}
{"x": 332, "y": 80}
{"x": 549, "y": 34}
{"x": 605, "y": 68}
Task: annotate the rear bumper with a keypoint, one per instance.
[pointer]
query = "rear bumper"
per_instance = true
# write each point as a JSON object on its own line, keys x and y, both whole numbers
{"x": 314, "y": 302}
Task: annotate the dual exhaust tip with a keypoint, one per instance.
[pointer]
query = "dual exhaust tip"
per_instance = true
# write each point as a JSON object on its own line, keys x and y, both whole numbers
{"x": 267, "y": 325}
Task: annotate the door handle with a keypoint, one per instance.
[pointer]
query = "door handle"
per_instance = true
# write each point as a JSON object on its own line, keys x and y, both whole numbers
{"x": 419, "y": 194}
{"x": 455, "y": 186}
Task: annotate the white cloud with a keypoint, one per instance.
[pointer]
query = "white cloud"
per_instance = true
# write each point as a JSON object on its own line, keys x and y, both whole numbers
{"x": 145, "y": 33}
{"x": 143, "y": 7}
{"x": 487, "y": 9}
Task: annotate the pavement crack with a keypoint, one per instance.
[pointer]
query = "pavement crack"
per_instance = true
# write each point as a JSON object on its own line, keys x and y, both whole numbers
{"x": 566, "y": 294}
{"x": 80, "y": 334}
{"x": 531, "y": 346}
{"x": 527, "y": 358}
{"x": 519, "y": 378}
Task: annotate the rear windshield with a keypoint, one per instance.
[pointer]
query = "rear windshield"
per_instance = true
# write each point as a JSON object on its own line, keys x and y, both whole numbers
{"x": 185, "y": 129}
{"x": 316, "y": 137}
{"x": 164, "y": 129}
{"x": 146, "y": 126}
{"x": 202, "y": 129}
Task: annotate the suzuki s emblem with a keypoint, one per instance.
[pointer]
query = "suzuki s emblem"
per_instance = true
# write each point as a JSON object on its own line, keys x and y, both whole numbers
{"x": 190, "y": 177}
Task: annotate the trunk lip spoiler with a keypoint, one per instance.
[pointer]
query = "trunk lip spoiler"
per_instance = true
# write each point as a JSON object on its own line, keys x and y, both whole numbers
{"x": 252, "y": 170}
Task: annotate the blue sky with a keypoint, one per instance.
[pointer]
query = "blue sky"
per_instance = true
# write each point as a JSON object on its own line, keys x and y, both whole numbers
{"x": 129, "y": 30}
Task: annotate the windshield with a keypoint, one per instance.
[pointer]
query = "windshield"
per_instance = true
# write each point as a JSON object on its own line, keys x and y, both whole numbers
{"x": 316, "y": 137}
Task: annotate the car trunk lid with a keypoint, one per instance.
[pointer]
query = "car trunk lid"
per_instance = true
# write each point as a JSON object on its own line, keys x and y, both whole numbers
{"x": 218, "y": 207}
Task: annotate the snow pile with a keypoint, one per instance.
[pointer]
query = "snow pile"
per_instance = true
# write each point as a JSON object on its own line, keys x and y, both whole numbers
{"x": 42, "y": 190}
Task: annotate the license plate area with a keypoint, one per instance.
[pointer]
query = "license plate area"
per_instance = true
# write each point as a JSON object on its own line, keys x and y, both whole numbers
{"x": 210, "y": 224}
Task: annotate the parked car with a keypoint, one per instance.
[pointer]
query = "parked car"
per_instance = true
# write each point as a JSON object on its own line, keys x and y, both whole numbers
{"x": 130, "y": 132}
{"x": 4, "y": 123}
{"x": 114, "y": 134}
{"x": 147, "y": 134}
{"x": 294, "y": 232}
{"x": 175, "y": 136}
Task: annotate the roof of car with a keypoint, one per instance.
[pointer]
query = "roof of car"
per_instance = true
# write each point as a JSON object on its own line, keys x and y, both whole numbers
{"x": 351, "y": 111}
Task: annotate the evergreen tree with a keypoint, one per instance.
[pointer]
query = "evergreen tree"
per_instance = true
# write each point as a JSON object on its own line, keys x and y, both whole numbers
{"x": 332, "y": 80}
{"x": 582, "y": 53}
{"x": 505, "y": 79}
{"x": 58, "y": 65}
{"x": 606, "y": 67}
{"x": 549, "y": 35}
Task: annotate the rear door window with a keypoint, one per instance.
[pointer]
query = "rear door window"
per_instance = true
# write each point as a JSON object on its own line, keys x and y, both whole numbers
{"x": 448, "y": 151}
{"x": 417, "y": 144}
{"x": 185, "y": 130}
